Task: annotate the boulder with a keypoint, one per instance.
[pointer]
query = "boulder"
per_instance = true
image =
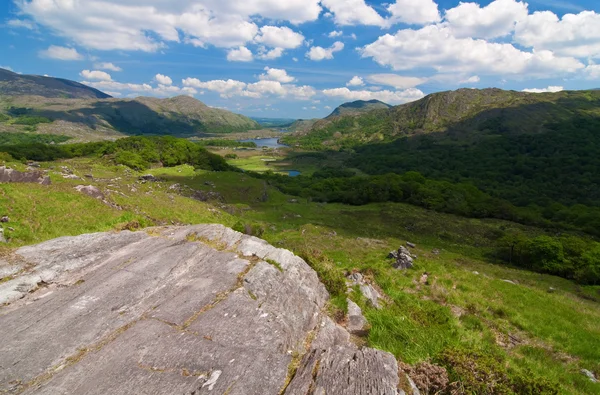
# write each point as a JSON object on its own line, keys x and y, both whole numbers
{"x": 368, "y": 291}
{"x": 10, "y": 175}
{"x": 175, "y": 310}
{"x": 4, "y": 219}
{"x": 90, "y": 190}
{"x": 357, "y": 323}
{"x": 148, "y": 177}
{"x": 589, "y": 375}
{"x": 411, "y": 245}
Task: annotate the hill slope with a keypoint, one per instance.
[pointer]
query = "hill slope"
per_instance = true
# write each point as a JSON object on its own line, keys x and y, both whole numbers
{"x": 461, "y": 112}
{"x": 62, "y": 107}
{"x": 16, "y": 84}
{"x": 358, "y": 107}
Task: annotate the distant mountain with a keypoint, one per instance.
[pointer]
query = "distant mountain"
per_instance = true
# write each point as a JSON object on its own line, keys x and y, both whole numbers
{"x": 52, "y": 105}
{"x": 274, "y": 122}
{"x": 460, "y": 112}
{"x": 12, "y": 84}
{"x": 358, "y": 107}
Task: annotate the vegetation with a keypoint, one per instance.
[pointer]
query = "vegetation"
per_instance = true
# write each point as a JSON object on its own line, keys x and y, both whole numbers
{"x": 28, "y": 138}
{"x": 226, "y": 143}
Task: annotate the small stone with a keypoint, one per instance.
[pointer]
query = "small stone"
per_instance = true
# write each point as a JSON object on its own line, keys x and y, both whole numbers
{"x": 435, "y": 251}
{"x": 424, "y": 278}
{"x": 5, "y": 219}
{"x": 551, "y": 290}
{"x": 2, "y": 238}
{"x": 148, "y": 177}
{"x": 293, "y": 201}
{"x": 89, "y": 176}
{"x": 90, "y": 190}
{"x": 411, "y": 245}
{"x": 590, "y": 375}
{"x": 11, "y": 229}
{"x": 476, "y": 273}
{"x": 357, "y": 323}
{"x": 510, "y": 282}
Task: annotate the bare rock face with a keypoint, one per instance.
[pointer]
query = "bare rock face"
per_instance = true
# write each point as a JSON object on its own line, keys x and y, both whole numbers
{"x": 11, "y": 175}
{"x": 91, "y": 191}
{"x": 177, "y": 310}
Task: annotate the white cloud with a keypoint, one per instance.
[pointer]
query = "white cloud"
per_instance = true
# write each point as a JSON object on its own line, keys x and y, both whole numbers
{"x": 128, "y": 89}
{"x": 335, "y": 33}
{"x": 61, "y": 53}
{"x": 163, "y": 79}
{"x": 471, "y": 80}
{"x": 265, "y": 87}
{"x": 320, "y": 53}
{"x": 395, "y": 80}
{"x": 416, "y": 12}
{"x": 394, "y": 97}
{"x": 356, "y": 81}
{"x": 242, "y": 54}
{"x": 497, "y": 19}
{"x": 265, "y": 54}
{"x": 353, "y": 12}
{"x": 551, "y": 89}
{"x": 573, "y": 35}
{"x": 20, "y": 23}
{"x": 592, "y": 72}
{"x": 276, "y": 75}
{"x": 150, "y": 25}
{"x": 107, "y": 66}
{"x": 435, "y": 47}
{"x": 95, "y": 75}
{"x": 279, "y": 37}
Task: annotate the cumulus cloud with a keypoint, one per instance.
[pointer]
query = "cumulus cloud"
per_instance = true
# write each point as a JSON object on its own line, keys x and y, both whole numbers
{"x": 356, "y": 81}
{"x": 279, "y": 37}
{"x": 395, "y": 80}
{"x": 61, "y": 53}
{"x": 592, "y": 72}
{"x": 163, "y": 79}
{"x": 241, "y": 54}
{"x": 320, "y": 53}
{"x": 276, "y": 75}
{"x": 107, "y": 66}
{"x": 95, "y": 75}
{"x": 497, "y": 19}
{"x": 550, "y": 89}
{"x": 573, "y": 35}
{"x": 335, "y": 33}
{"x": 262, "y": 88}
{"x": 265, "y": 54}
{"x": 353, "y": 12}
{"x": 435, "y": 47}
{"x": 395, "y": 97}
{"x": 149, "y": 25}
{"x": 471, "y": 80}
{"x": 414, "y": 12}
{"x": 118, "y": 89}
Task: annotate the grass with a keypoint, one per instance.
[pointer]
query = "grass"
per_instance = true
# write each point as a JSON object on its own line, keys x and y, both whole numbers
{"x": 464, "y": 307}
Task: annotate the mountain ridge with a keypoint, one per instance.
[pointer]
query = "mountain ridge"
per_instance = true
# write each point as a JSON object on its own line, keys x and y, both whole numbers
{"x": 357, "y": 107}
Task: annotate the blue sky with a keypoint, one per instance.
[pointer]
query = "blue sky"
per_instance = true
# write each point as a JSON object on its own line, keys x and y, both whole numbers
{"x": 302, "y": 58}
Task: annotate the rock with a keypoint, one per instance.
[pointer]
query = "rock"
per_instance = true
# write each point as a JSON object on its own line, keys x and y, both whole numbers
{"x": 90, "y": 190}
{"x": 148, "y": 177}
{"x": 10, "y": 175}
{"x": 33, "y": 165}
{"x": 160, "y": 313}
{"x": 71, "y": 177}
{"x": 4, "y": 219}
{"x": 175, "y": 187}
{"x": 368, "y": 291}
{"x": 510, "y": 282}
{"x": 411, "y": 245}
{"x": 403, "y": 258}
{"x": 90, "y": 176}
{"x": 2, "y": 238}
{"x": 589, "y": 375}
{"x": 210, "y": 184}
{"x": 551, "y": 290}
{"x": 205, "y": 196}
{"x": 476, "y": 273}
{"x": 424, "y": 278}
{"x": 357, "y": 323}
{"x": 11, "y": 229}
{"x": 435, "y": 251}
{"x": 293, "y": 201}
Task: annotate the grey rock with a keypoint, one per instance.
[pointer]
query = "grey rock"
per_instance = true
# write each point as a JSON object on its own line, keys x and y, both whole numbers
{"x": 366, "y": 289}
{"x": 357, "y": 323}
{"x": 551, "y": 290}
{"x": 2, "y": 238}
{"x": 411, "y": 245}
{"x": 10, "y": 175}
{"x": 206, "y": 196}
{"x": 159, "y": 313}
{"x": 403, "y": 258}
{"x": 5, "y": 219}
{"x": 510, "y": 282}
{"x": 436, "y": 251}
{"x": 90, "y": 190}
{"x": 71, "y": 177}
{"x": 589, "y": 375}
{"x": 148, "y": 177}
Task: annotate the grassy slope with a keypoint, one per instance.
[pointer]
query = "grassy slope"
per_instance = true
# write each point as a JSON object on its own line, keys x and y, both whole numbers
{"x": 558, "y": 333}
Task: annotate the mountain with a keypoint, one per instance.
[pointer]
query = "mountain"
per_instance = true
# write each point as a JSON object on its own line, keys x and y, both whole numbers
{"x": 12, "y": 84}
{"x": 461, "y": 112}
{"x": 358, "y": 107}
{"x": 62, "y": 107}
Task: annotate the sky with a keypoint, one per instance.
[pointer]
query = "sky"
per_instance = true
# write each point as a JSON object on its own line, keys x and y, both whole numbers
{"x": 303, "y": 58}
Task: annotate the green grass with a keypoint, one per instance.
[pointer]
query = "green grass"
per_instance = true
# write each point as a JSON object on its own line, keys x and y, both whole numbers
{"x": 558, "y": 333}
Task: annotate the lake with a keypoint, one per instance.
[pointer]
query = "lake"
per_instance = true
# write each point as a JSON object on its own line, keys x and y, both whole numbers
{"x": 266, "y": 142}
{"x": 293, "y": 173}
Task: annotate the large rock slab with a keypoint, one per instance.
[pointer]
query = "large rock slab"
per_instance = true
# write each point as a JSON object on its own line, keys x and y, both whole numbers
{"x": 174, "y": 310}
{"x": 12, "y": 175}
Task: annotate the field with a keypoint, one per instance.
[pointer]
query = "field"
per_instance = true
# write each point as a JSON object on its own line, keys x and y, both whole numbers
{"x": 498, "y": 329}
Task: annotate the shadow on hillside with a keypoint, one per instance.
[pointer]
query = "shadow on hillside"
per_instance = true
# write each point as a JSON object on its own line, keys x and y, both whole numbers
{"x": 127, "y": 117}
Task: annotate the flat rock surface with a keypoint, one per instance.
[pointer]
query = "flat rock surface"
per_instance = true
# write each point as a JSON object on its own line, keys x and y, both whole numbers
{"x": 174, "y": 310}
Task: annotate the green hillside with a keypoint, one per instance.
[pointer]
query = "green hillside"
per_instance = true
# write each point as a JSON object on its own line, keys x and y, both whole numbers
{"x": 358, "y": 107}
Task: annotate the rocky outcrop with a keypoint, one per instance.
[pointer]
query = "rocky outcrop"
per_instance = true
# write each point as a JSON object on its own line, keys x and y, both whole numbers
{"x": 175, "y": 310}
{"x": 403, "y": 258}
{"x": 12, "y": 175}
